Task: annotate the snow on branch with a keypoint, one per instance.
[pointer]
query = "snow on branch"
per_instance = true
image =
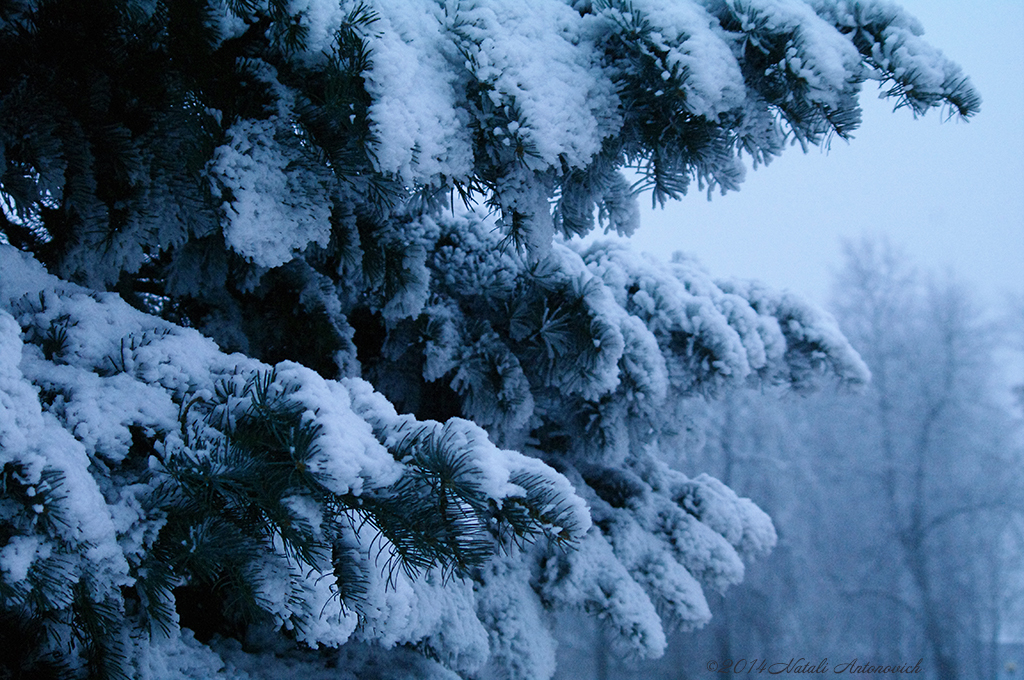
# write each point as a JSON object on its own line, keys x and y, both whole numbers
{"x": 128, "y": 438}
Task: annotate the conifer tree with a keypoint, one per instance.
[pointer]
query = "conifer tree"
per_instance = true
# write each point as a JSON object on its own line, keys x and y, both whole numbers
{"x": 298, "y": 368}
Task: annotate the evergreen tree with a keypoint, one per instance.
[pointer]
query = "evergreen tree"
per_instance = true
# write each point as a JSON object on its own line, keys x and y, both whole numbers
{"x": 311, "y": 378}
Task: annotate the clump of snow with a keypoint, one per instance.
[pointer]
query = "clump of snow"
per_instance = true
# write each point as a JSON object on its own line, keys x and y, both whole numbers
{"x": 816, "y": 53}
{"x": 521, "y": 643}
{"x": 347, "y": 453}
{"x": 594, "y": 579}
{"x": 273, "y": 210}
{"x": 320, "y": 20}
{"x": 17, "y": 556}
{"x": 182, "y": 656}
{"x": 694, "y": 43}
{"x": 804, "y": 328}
{"x": 420, "y": 126}
{"x": 738, "y": 520}
{"x": 228, "y": 24}
{"x": 534, "y": 60}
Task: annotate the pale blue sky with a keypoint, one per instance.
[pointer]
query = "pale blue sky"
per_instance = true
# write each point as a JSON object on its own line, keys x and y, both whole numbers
{"x": 951, "y": 194}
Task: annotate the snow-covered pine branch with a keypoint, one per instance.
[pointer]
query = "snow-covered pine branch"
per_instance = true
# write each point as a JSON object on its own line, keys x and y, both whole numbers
{"x": 422, "y": 426}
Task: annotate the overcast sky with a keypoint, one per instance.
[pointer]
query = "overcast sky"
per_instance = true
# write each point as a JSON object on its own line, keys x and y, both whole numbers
{"x": 951, "y": 194}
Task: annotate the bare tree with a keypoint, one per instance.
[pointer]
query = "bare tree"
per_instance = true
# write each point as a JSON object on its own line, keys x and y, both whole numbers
{"x": 931, "y": 435}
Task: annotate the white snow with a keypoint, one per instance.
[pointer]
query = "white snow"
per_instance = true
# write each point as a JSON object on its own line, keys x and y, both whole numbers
{"x": 273, "y": 211}
{"x": 536, "y": 59}
{"x": 419, "y": 123}
{"x": 695, "y": 42}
